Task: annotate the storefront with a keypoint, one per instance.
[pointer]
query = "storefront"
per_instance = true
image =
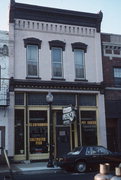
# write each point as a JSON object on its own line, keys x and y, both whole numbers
{"x": 32, "y": 121}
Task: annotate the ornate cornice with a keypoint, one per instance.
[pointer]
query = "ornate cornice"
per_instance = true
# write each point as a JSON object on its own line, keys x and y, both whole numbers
{"x": 54, "y": 15}
{"x": 63, "y": 85}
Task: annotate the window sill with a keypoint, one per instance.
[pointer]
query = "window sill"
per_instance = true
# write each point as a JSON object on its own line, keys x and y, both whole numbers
{"x": 33, "y": 78}
{"x": 59, "y": 79}
{"x": 81, "y": 80}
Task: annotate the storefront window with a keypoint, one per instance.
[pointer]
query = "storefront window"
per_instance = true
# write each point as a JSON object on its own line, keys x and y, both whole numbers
{"x": 89, "y": 127}
{"x": 19, "y": 131}
{"x": 38, "y": 131}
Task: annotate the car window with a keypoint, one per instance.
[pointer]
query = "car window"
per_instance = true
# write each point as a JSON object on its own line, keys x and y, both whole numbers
{"x": 95, "y": 150}
{"x": 99, "y": 151}
{"x": 102, "y": 150}
{"x": 88, "y": 151}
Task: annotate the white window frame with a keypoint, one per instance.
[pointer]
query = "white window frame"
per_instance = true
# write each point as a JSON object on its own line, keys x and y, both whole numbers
{"x": 37, "y": 61}
{"x": 83, "y": 64}
{"x": 61, "y": 63}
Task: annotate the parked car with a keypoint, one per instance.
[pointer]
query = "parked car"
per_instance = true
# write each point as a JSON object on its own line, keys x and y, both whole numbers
{"x": 89, "y": 157}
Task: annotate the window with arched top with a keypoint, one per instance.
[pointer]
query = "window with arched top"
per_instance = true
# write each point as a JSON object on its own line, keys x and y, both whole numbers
{"x": 5, "y": 50}
{"x": 79, "y": 50}
{"x": 32, "y": 46}
{"x": 57, "y": 47}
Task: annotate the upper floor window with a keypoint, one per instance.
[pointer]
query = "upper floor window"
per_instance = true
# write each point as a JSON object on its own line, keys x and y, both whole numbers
{"x": 79, "y": 59}
{"x": 79, "y": 64}
{"x": 32, "y": 60}
{"x": 57, "y": 48}
{"x": 117, "y": 76}
{"x": 57, "y": 62}
{"x": 32, "y": 56}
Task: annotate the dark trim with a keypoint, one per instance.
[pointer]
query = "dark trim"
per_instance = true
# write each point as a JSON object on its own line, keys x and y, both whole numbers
{"x": 81, "y": 80}
{"x": 32, "y": 41}
{"x": 57, "y": 43}
{"x": 55, "y": 84}
{"x": 33, "y": 78}
{"x": 58, "y": 79}
{"x": 54, "y": 15}
{"x": 79, "y": 45}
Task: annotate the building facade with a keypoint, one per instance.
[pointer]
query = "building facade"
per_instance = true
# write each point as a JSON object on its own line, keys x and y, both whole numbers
{"x": 4, "y": 88}
{"x": 57, "y": 51}
{"x": 111, "y": 48}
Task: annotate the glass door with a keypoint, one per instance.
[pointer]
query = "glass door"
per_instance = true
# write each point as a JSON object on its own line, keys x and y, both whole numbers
{"x": 38, "y": 134}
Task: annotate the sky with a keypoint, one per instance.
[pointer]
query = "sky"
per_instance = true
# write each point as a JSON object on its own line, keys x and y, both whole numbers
{"x": 111, "y": 9}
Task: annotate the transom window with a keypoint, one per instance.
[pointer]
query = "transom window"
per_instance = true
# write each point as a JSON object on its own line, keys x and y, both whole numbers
{"x": 32, "y": 60}
{"x": 57, "y": 62}
{"x": 79, "y": 64}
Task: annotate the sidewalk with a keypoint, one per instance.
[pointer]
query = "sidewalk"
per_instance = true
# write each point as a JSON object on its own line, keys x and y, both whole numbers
{"x": 27, "y": 166}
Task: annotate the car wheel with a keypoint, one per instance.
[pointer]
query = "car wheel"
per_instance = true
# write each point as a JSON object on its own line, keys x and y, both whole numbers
{"x": 81, "y": 167}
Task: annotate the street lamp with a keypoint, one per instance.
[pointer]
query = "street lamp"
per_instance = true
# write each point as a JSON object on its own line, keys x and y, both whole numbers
{"x": 49, "y": 99}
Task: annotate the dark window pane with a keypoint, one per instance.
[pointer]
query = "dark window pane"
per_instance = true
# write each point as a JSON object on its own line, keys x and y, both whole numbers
{"x": 117, "y": 52}
{"x": 108, "y": 51}
{"x": 87, "y": 100}
{"x": 19, "y": 131}
{"x": 63, "y": 99}
{"x": 37, "y": 99}
{"x": 19, "y": 99}
{"x": 89, "y": 127}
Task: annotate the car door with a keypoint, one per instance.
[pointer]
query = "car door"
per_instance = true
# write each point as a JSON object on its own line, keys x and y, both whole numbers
{"x": 92, "y": 156}
{"x": 96, "y": 155}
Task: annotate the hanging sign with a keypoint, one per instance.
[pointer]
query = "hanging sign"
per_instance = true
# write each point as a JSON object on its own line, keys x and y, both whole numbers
{"x": 68, "y": 115}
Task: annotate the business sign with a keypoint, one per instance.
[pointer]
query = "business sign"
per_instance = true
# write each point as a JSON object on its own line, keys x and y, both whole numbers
{"x": 68, "y": 115}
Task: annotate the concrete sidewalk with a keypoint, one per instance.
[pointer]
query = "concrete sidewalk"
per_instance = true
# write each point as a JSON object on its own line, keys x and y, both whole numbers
{"x": 27, "y": 166}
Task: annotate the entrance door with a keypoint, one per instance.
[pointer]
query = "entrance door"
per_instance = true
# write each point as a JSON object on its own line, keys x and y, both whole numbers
{"x": 62, "y": 140}
{"x": 38, "y": 134}
{"x": 62, "y": 136}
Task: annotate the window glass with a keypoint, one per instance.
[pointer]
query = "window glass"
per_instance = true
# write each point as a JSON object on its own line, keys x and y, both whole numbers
{"x": 57, "y": 62}
{"x": 32, "y": 60}
{"x": 89, "y": 151}
{"x": 19, "y": 131}
{"x": 19, "y": 99}
{"x": 87, "y": 100}
{"x": 117, "y": 76}
{"x": 117, "y": 72}
{"x": 79, "y": 63}
{"x": 89, "y": 128}
{"x": 38, "y": 132}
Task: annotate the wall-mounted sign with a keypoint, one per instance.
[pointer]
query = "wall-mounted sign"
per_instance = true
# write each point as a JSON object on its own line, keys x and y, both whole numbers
{"x": 68, "y": 115}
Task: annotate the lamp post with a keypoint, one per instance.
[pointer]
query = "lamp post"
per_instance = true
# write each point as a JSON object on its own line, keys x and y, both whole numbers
{"x": 49, "y": 99}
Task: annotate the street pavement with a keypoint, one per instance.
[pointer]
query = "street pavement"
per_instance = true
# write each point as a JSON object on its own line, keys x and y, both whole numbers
{"x": 38, "y": 170}
{"x": 26, "y": 166}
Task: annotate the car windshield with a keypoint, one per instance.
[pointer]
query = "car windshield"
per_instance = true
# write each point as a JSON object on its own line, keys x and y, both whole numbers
{"x": 75, "y": 151}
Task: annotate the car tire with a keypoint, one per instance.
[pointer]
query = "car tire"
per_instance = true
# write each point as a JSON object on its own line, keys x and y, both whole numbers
{"x": 81, "y": 167}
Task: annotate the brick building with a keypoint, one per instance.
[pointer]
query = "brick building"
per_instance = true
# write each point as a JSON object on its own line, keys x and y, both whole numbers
{"x": 111, "y": 49}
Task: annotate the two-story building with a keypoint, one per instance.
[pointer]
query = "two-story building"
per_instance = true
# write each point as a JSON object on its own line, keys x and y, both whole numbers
{"x": 111, "y": 48}
{"x": 4, "y": 88}
{"x": 57, "y": 51}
